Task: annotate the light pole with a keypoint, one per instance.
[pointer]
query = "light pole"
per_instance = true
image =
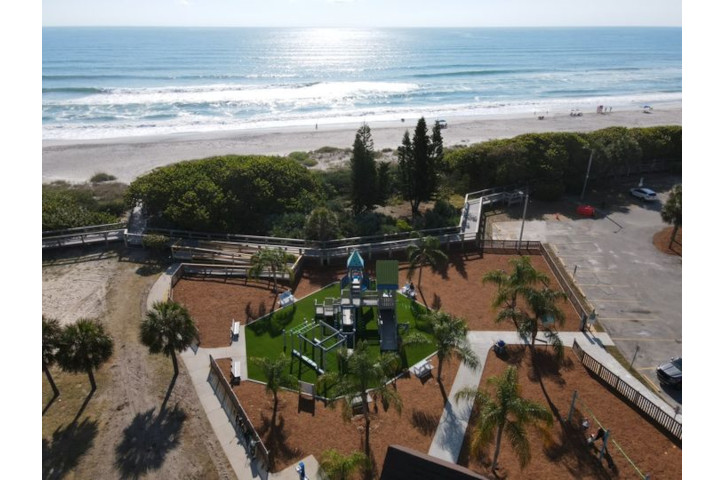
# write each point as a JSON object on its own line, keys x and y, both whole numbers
{"x": 586, "y": 178}
{"x": 523, "y": 219}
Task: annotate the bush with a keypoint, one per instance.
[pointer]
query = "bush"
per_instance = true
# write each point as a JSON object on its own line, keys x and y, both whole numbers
{"x": 157, "y": 243}
{"x": 102, "y": 177}
{"x": 70, "y": 206}
{"x": 235, "y": 194}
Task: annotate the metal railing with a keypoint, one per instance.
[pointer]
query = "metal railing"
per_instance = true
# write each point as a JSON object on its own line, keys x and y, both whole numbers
{"x": 642, "y": 403}
{"x": 243, "y": 425}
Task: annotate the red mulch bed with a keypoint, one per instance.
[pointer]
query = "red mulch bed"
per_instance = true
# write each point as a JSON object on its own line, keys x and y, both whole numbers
{"x": 307, "y": 428}
{"x": 567, "y": 455}
{"x": 661, "y": 241}
{"x": 458, "y": 290}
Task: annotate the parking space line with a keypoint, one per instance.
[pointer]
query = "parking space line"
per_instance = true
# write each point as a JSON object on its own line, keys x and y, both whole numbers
{"x": 643, "y": 339}
{"x": 618, "y": 319}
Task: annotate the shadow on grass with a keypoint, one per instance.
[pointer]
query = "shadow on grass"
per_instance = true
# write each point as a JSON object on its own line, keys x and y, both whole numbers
{"x": 62, "y": 453}
{"x": 147, "y": 440}
{"x": 274, "y": 324}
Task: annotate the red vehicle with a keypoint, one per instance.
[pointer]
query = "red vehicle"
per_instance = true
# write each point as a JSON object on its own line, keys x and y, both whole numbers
{"x": 585, "y": 210}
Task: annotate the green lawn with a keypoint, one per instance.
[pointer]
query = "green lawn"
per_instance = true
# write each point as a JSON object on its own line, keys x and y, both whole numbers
{"x": 264, "y": 337}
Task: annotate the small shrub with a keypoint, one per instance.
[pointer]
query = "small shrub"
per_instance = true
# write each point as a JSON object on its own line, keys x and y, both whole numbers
{"x": 102, "y": 177}
{"x": 154, "y": 242}
{"x": 309, "y": 162}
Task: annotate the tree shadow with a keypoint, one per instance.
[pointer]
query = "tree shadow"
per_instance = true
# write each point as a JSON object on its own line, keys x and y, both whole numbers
{"x": 424, "y": 422}
{"x": 62, "y": 453}
{"x": 147, "y": 440}
{"x": 273, "y": 434}
{"x": 437, "y": 303}
{"x": 50, "y": 402}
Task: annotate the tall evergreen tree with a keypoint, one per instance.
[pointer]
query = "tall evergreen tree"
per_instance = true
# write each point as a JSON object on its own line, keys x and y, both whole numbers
{"x": 417, "y": 164}
{"x": 363, "y": 172}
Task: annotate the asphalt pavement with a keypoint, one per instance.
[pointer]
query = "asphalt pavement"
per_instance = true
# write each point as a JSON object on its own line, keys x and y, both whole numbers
{"x": 635, "y": 288}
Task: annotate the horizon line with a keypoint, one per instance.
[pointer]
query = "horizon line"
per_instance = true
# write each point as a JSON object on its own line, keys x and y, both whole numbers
{"x": 362, "y": 27}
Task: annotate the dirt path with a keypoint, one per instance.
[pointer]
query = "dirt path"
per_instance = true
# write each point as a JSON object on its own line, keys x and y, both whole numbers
{"x": 135, "y": 426}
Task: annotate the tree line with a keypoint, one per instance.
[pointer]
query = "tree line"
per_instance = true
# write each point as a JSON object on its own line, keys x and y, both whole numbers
{"x": 278, "y": 196}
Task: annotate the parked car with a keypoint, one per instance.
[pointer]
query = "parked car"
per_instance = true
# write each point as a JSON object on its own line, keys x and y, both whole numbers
{"x": 644, "y": 193}
{"x": 670, "y": 373}
{"x": 442, "y": 123}
{"x": 585, "y": 210}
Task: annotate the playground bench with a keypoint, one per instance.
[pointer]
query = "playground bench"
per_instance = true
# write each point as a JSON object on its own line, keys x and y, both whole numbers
{"x": 234, "y": 330}
{"x": 422, "y": 369}
{"x": 286, "y": 299}
{"x": 236, "y": 372}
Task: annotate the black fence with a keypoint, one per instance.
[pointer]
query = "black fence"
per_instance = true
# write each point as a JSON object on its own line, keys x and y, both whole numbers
{"x": 639, "y": 401}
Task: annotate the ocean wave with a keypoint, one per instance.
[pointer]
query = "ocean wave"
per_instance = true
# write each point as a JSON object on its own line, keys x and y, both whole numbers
{"x": 475, "y": 73}
{"x": 316, "y": 92}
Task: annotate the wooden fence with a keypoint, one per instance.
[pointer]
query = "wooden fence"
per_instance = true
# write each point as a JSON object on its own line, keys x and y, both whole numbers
{"x": 237, "y": 415}
{"x": 642, "y": 403}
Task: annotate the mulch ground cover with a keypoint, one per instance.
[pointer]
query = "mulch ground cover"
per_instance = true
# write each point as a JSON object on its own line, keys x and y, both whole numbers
{"x": 457, "y": 289}
{"x": 566, "y": 454}
{"x": 303, "y": 428}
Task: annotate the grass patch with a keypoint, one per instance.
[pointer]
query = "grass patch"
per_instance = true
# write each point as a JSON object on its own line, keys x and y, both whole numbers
{"x": 265, "y": 337}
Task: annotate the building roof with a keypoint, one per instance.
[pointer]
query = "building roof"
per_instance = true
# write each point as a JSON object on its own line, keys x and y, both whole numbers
{"x": 355, "y": 260}
{"x": 386, "y": 274}
{"x": 403, "y": 463}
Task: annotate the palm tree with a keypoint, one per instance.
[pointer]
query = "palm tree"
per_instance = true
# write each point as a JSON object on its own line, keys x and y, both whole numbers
{"x": 543, "y": 303}
{"x": 506, "y": 412}
{"x": 363, "y": 376}
{"x": 275, "y": 371}
{"x": 275, "y": 259}
{"x": 449, "y": 335}
{"x": 338, "y": 466}
{"x": 672, "y": 211}
{"x": 426, "y": 251}
{"x": 84, "y": 346}
{"x": 51, "y": 342}
{"x": 512, "y": 285}
{"x": 168, "y": 328}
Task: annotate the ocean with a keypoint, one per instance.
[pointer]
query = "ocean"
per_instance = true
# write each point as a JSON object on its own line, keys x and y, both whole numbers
{"x": 117, "y": 82}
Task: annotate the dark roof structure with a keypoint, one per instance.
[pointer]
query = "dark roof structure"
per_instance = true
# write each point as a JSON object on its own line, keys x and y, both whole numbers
{"x": 403, "y": 463}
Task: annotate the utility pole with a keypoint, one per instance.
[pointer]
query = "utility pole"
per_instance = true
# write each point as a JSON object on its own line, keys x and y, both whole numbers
{"x": 586, "y": 178}
{"x": 523, "y": 219}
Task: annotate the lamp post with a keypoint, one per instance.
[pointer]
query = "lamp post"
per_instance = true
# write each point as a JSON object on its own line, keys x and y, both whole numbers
{"x": 523, "y": 219}
{"x": 586, "y": 178}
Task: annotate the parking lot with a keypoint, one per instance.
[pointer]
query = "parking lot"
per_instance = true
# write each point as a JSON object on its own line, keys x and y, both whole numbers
{"x": 635, "y": 288}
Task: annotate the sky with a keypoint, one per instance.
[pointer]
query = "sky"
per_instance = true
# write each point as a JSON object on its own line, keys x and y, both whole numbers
{"x": 362, "y": 13}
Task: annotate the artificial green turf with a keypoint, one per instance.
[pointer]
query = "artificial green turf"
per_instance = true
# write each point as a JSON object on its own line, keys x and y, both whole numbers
{"x": 264, "y": 337}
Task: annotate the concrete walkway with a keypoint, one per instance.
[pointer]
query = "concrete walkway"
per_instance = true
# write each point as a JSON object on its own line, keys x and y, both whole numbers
{"x": 448, "y": 439}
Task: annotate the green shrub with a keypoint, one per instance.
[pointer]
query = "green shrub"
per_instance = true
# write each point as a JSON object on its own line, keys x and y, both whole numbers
{"x": 102, "y": 177}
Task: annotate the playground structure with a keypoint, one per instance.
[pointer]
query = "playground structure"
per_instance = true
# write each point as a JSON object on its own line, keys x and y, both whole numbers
{"x": 339, "y": 319}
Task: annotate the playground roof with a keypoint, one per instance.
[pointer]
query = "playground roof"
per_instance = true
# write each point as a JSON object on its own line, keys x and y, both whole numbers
{"x": 386, "y": 273}
{"x": 355, "y": 260}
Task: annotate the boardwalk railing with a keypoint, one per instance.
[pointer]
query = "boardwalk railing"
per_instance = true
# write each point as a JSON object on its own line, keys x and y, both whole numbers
{"x": 237, "y": 415}
{"x": 642, "y": 403}
{"x": 566, "y": 284}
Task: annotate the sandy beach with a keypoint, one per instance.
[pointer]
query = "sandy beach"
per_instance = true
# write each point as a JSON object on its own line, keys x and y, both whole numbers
{"x": 129, "y": 157}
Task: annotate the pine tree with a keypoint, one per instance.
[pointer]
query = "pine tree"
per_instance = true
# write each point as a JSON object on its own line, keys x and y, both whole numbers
{"x": 363, "y": 170}
{"x": 418, "y": 164}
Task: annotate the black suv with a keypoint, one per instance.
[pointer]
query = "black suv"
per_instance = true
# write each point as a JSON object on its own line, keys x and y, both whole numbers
{"x": 670, "y": 373}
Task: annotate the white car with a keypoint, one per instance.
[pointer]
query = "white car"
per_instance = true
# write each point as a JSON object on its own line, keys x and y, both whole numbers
{"x": 644, "y": 193}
